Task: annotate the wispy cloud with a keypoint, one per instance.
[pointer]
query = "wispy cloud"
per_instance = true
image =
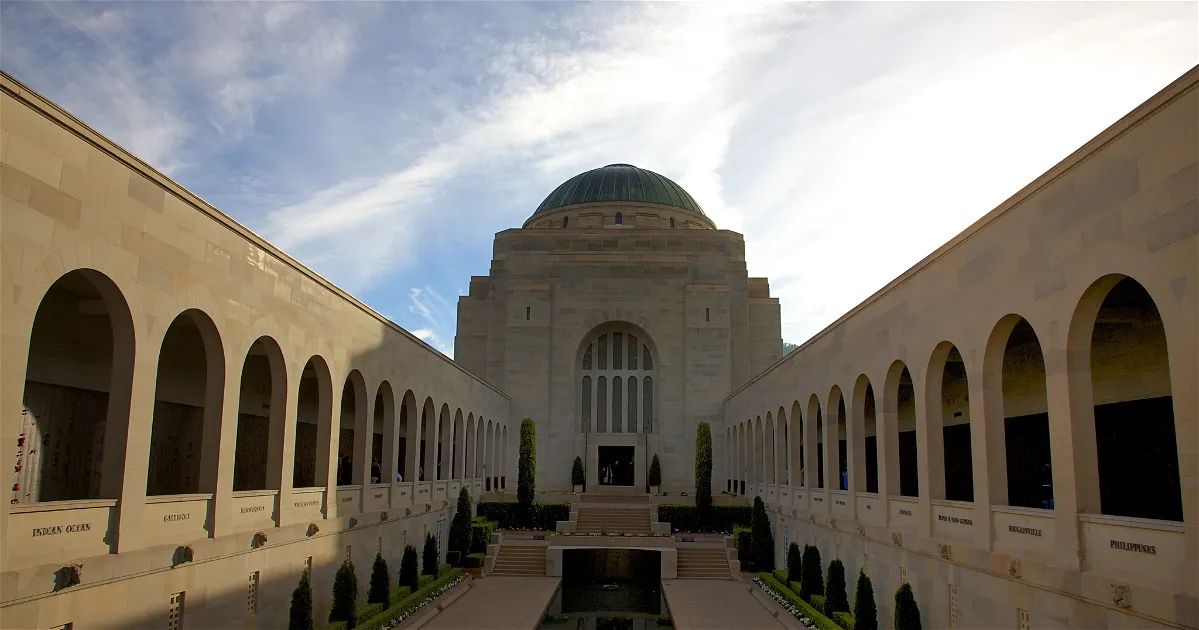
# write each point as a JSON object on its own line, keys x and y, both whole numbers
{"x": 383, "y": 144}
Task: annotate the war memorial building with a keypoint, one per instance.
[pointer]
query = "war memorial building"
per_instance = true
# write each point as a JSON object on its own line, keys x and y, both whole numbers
{"x": 191, "y": 417}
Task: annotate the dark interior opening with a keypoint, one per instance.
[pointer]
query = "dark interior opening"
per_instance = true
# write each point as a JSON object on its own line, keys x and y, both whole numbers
{"x": 1029, "y": 469}
{"x": 843, "y": 465}
{"x": 909, "y": 472}
{"x": 616, "y": 465}
{"x": 1138, "y": 459}
{"x": 959, "y": 470}
{"x": 871, "y": 463}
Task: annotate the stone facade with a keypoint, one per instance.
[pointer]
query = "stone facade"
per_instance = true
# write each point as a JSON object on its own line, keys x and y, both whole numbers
{"x": 683, "y": 293}
{"x": 1071, "y": 305}
{"x": 142, "y": 330}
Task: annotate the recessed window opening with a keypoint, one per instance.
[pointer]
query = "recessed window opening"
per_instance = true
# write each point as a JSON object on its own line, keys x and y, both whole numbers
{"x": 565, "y": 221}
{"x": 707, "y": 314}
{"x": 619, "y": 218}
{"x": 528, "y": 313}
{"x": 672, "y": 223}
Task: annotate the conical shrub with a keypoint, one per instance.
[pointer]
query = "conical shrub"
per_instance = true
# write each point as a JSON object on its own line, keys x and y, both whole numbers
{"x": 409, "y": 571}
{"x": 345, "y": 595}
{"x": 460, "y": 527}
{"x": 429, "y": 562}
{"x": 907, "y": 613}
{"x": 380, "y": 592}
{"x": 526, "y": 473}
{"x": 577, "y": 476}
{"x": 794, "y": 564}
{"x": 813, "y": 580}
{"x": 865, "y": 614}
{"x": 837, "y": 600}
{"x": 763, "y": 538}
{"x": 703, "y": 475}
{"x": 299, "y": 617}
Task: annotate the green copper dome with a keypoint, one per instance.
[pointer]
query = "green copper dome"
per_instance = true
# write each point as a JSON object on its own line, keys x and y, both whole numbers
{"x": 616, "y": 183}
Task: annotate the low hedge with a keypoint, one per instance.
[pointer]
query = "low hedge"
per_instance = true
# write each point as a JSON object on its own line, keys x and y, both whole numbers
{"x": 481, "y": 530}
{"x": 685, "y": 518}
{"x": 819, "y": 602}
{"x": 545, "y": 515}
{"x": 818, "y": 618}
{"x": 473, "y": 561}
{"x": 411, "y": 601}
{"x": 741, "y": 541}
{"x": 843, "y": 619}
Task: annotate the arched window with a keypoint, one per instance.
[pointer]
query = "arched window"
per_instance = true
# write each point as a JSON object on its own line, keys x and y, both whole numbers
{"x": 565, "y": 221}
{"x": 616, "y": 382}
{"x": 619, "y": 218}
{"x": 672, "y": 223}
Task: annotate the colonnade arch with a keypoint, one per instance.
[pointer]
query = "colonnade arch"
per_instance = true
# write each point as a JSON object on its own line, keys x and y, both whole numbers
{"x": 1126, "y": 455}
{"x": 79, "y": 389}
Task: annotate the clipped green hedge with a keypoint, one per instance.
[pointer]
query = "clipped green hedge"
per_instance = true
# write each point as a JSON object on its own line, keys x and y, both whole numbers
{"x": 473, "y": 561}
{"x": 741, "y": 540}
{"x": 411, "y": 601}
{"x": 506, "y": 515}
{"x": 818, "y": 618}
{"x": 819, "y": 603}
{"x": 481, "y": 530}
{"x": 843, "y": 619}
{"x": 703, "y": 473}
{"x": 722, "y": 518}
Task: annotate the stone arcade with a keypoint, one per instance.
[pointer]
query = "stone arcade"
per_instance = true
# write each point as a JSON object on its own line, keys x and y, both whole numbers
{"x": 1012, "y": 425}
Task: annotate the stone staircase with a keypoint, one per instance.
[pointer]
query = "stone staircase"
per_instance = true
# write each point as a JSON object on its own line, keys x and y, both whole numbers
{"x": 595, "y": 518}
{"x": 517, "y": 560}
{"x": 703, "y": 563}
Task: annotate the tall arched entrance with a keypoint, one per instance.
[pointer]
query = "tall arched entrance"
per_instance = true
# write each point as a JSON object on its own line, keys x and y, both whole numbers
{"x": 617, "y": 406}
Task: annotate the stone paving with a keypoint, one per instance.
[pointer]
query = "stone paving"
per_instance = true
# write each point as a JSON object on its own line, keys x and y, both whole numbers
{"x": 716, "y": 605}
{"x": 499, "y": 603}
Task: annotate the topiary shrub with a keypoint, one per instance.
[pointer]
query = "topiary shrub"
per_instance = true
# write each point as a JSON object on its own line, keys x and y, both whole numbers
{"x": 429, "y": 563}
{"x": 843, "y": 619}
{"x": 865, "y": 614}
{"x": 460, "y": 527}
{"x": 577, "y": 477}
{"x": 703, "y": 473}
{"x": 818, "y": 602}
{"x": 473, "y": 561}
{"x": 838, "y": 601}
{"x": 655, "y": 472}
{"x": 763, "y": 537}
{"x": 812, "y": 582}
{"x": 907, "y": 613}
{"x": 345, "y": 595}
{"x": 526, "y": 472}
{"x": 380, "y": 582}
{"x": 742, "y": 539}
{"x": 794, "y": 564}
{"x": 409, "y": 571}
{"x": 481, "y": 530}
{"x": 299, "y": 617}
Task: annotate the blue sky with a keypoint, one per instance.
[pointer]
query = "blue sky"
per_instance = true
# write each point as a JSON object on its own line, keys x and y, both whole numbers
{"x": 383, "y": 144}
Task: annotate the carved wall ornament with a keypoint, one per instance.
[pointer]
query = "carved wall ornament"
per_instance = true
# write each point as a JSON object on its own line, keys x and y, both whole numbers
{"x": 832, "y": 522}
{"x": 183, "y": 554}
{"x": 897, "y": 539}
{"x": 68, "y": 576}
{"x": 258, "y": 541}
{"x": 812, "y": 517}
{"x": 794, "y": 512}
{"x": 1013, "y": 568}
{"x": 407, "y": 511}
{"x": 353, "y": 522}
{"x": 1121, "y": 595}
{"x": 383, "y": 516}
{"x": 861, "y": 530}
{"x": 428, "y": 507}
{"x": 946, "y": 551}
{"x": 313, "y": 529}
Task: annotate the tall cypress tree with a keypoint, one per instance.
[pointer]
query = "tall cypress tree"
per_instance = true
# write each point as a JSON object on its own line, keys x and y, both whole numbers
{"x": 429, "y": 557}
{"x": 299, "y": 617}
{"x": 380, "y": 591}
{"x": 763, "y": 537}
{"x": 907, "y": 613}
{"x": 345, "y": 595}
{"x": 794, "y": 564}
{"x": 409, "y": 571}
{"x": 703, "y": 474}
{"x": 460, "y": 527}
{"x": 526, "y": 472}
{"x": 813, "y": 580}
{"x": 865, "y": 614}
{"x": 837, "y": 600}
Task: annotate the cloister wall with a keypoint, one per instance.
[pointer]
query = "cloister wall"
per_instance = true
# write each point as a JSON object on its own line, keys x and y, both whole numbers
{"x": 1124, "y": 205}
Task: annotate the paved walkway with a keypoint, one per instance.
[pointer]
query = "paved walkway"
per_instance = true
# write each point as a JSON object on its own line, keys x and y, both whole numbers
{"x": 716, "y": 605}
{"x": 499, "y": 603}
